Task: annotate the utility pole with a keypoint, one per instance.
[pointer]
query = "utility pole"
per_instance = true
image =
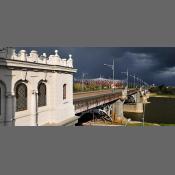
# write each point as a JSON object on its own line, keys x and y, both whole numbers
{"x": 113, "y": 72}
{"x": 100, "y": 82}
{"x": 82, "y": 81}
{"x": 127, "y": 78}
{"x": 134, "y": 81}
{"x": 143, "y": 119}
{"x": 141, "y": 82}
{"x": 133, "y": 76}
{"x": 138, "y": 82}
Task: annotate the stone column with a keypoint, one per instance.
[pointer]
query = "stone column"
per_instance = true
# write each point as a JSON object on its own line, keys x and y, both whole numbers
{"x": 139, "y": 103}
{"x": 10, "y": 109}
{"x": 124, "y": 93}
{"x": 117, "y": 110}
{"x": 139, "y": 107}
{"x": 138, "y": 98}
{"x": 34, "y": 108}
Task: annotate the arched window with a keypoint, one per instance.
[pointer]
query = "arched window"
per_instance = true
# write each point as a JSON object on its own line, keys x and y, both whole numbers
{"x": 64, "y": 91}
{"x": 41, "y": 94}
{"x": 2, "y": 100}
{"x": 21, "y": 97}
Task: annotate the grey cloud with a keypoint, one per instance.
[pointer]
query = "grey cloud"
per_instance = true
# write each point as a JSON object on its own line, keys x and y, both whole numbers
{"x": 154, "y": 65}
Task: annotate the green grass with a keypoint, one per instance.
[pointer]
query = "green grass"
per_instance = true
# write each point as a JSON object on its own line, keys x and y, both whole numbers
{"x": 162, "y": 95}
{"x": 165, "y": 124}
{"x": 150, "y": 124}
{"x": 141, "y": 124}
{"x": 134, "y": 124}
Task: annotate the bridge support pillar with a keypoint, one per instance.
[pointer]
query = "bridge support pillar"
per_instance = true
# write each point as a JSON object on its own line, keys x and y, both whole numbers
{"x": 138, "y": 97}
{"x": 139, "y": 102}
{"x": 117, "y": 111}
{"x": 139, "y": 108}
{"x": 124, "y": 93}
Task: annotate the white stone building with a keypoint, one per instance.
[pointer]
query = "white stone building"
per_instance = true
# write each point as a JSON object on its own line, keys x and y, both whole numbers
{"x": 35, "y": 90}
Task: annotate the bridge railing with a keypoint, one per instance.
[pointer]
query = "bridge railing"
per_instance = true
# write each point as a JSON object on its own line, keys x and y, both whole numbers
{"x": 86, "y": 103}
{"x": 132, "y": 91}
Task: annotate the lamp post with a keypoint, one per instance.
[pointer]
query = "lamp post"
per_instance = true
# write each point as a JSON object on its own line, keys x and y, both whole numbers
{"x": 138, "y": 80}
{"x": 133, "y": 76}
{"x": 141, "y": 82}
{"x": 127, "y": 78}
{"x": 82, "y": 81}
{"x": 143, "y": 114}
{"x": 113, "y": 72}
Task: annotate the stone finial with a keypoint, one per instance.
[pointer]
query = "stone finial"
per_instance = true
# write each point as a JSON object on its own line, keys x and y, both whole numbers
{"x": 44, "y": 55}
{"x": 34, "y": 53}
{"x": 22, "y": 51}
{"x": 6, "y": 52}
{"x": 34, "y": 56}
{"x": 22, "y": 55}
{"x": 14, "y": 52}
{"x": 70, "y": 56}
{"x": 70, "y": 61}
{"x": 56, "y": 52}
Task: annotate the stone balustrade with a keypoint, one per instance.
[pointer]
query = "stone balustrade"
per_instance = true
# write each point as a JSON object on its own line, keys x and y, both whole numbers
{"x": 34, "y": 57}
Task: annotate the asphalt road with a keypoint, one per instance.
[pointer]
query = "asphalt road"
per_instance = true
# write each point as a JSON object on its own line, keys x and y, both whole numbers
{"x": 81, "y": 95}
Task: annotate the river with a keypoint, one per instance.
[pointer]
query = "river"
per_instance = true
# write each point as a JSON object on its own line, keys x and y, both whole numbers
{"x": 158, "y": 110}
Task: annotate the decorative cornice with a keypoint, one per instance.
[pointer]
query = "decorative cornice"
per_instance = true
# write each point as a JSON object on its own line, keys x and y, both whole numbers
{"x": 16, "y": 64}
{"x": 34, "y": 57}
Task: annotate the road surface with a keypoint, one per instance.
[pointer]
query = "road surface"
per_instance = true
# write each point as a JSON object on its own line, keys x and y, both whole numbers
{"x": 81, "y": 95}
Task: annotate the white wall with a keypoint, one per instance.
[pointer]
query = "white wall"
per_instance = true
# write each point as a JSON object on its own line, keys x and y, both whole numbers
{"x": 56, "y": 110}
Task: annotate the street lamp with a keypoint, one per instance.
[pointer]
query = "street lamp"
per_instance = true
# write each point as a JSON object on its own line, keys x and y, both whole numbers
{"x": 112, "y": 67}
{"x": 143, "y": 119}
{"x": 133, "y": 76}
{"x": 82, "y": 81}
{"x": 127, "y": 74}
{"x": 141, "y": 82}
{"x": 138, "y": 80}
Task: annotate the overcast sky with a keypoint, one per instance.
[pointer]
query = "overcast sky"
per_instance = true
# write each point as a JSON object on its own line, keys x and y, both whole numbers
{"x": 153, "y": 65}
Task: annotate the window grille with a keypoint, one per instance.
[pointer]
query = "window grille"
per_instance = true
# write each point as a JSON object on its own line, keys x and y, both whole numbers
{"x": 21, "y": 97}
{"x": 64, "y": 91}
{"x": 41, "y": 95}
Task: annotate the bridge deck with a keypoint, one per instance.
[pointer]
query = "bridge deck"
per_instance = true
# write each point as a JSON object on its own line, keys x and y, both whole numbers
{"x": 89, "y": 100}
{"x": 84, "y": 101}
{"x": 81, "y": 95}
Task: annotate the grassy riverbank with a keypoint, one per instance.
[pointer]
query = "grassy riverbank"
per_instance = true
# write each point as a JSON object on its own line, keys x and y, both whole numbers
{"x": 162, "y": 95}
{"x": 141, "y": 124}
{"x": 134, "y": 123}
{"x": 150, "y": 124}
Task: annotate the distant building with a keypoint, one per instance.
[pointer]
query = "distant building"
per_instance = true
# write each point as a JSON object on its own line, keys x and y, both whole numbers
{"x": 102, "y": 82}
{"x": 35, "y": 90}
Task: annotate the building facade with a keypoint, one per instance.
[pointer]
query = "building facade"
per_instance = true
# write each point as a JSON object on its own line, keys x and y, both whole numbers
{"x": 35, "y": 89}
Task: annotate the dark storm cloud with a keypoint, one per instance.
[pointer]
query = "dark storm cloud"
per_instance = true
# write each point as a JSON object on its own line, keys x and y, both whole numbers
{"x": 154, "y": 65}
